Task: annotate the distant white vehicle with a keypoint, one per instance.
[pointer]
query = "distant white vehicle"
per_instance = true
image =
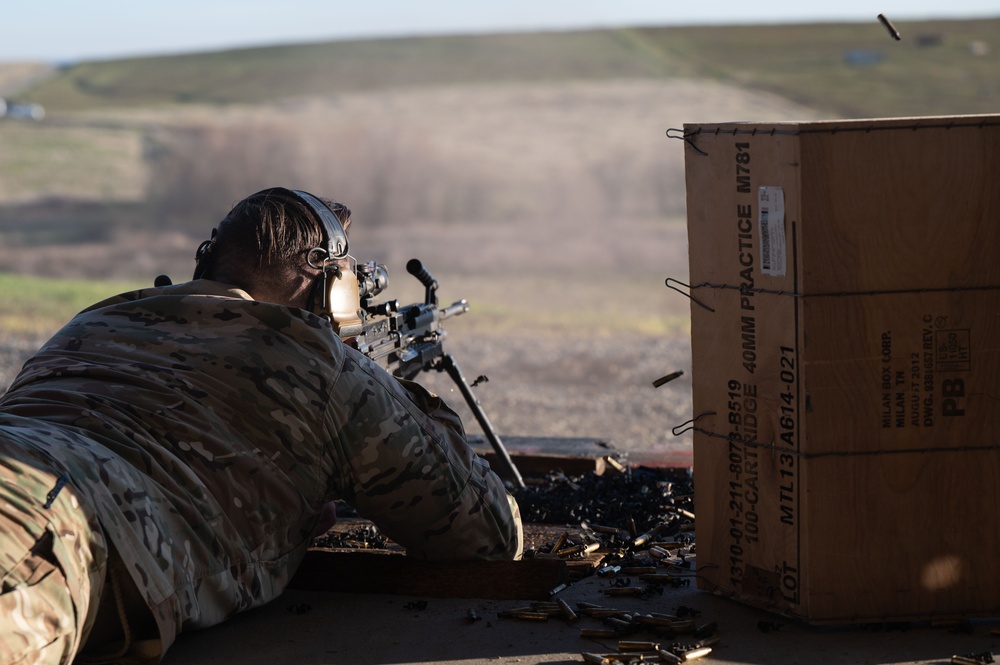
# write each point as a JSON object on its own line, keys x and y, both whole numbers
{"x": 25, "y": 111}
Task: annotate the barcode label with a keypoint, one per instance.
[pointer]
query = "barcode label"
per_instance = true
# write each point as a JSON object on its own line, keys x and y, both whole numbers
{"x": 771, "y": 223}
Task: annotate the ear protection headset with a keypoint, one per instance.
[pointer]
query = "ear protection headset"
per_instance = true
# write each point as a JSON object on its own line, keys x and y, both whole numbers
{"x": 334, "y": 247}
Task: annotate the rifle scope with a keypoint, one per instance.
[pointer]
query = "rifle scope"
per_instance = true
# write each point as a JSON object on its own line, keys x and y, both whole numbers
{"x": 373, "y": 279}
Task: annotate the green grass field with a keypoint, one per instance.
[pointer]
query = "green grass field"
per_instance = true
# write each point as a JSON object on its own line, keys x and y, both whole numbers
{"x": 37, "y": 306}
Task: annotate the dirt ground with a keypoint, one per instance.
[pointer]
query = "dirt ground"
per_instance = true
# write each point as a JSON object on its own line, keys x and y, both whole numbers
{"x": 578, "y": 388}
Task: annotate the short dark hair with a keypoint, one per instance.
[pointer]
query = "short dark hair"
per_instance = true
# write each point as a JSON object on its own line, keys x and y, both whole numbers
{"x": 267, "y": 234}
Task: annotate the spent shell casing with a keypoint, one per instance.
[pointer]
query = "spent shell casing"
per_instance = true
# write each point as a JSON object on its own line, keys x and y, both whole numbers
{"x": 683, "y": 626}
{"x": 530, "y": 616}
{"x": 694, "y": 654}
{"x": 551, "y": 611}
{"x": 890, "y": 28}
{"x": 598, "y": 633}
{"x": 592, "y": 609}
{"x": 650, "y": 620}
{"x": 668, "y": 378}
{"x": 619, "y": 624}
{"x": 669, "y": 656}
{"x": 515, "y": 609}
{"x": 601, "y": 612}
{"x": 595, "y": 658}
{"x": 637, "y": 645}
{"x": 582, "y": 549}
{"x": 571, "y": 550}
{"x": 648, "y": 537}
{"x": 522, "y": 613}
{"x": 641, "y": 540}
{"x": 545, "y": 555}
{"x": 707, "y": 642}
{"x": 633, "y": 531}
{"x": 560, "y": 542}
{"x": 614, "y": 464}
{"x": 638, "y": 570}
{"x": 600, "y": 528}
{"x": 622, "y": 591}
{"x": 567, "y": 611}
{"x": 947, "y": 623}
{"x": 556, "y": 589}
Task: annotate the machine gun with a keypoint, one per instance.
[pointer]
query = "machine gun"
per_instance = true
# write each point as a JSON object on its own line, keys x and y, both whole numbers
{"x": 408, "y": 340}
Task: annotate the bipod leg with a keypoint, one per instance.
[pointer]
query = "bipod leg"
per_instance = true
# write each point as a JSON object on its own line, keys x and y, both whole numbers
{"x": 449, "y": 365}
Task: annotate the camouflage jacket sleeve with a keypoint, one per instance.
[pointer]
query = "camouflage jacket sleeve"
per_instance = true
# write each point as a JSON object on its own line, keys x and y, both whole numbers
{"x": 401, "y": 459}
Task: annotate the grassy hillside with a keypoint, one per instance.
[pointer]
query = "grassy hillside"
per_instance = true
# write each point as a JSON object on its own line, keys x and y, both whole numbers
{"x": 265, "y": 74}
{"x": 852, "y": 70}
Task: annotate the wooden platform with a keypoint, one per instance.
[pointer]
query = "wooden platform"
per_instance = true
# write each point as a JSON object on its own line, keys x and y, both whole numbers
{"x": 538, "y": 456}
{"x": 390, "y": 571}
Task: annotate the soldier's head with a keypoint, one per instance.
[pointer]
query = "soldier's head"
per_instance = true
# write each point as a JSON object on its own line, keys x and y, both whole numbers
{"x": 277, "y": 245}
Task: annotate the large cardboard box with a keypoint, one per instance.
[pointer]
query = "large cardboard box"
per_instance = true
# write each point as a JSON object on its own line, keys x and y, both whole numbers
{"x": 845, "y": 325}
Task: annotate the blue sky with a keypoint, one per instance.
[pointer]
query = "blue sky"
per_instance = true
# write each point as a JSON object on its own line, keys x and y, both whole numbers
{"x": 67, "y": 30}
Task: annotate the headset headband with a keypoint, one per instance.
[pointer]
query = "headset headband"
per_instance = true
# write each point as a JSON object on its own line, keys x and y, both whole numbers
{"x": 334, "y": 237}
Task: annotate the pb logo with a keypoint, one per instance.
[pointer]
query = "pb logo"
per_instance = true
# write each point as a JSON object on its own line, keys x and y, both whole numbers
{"x": 953, "y": 394}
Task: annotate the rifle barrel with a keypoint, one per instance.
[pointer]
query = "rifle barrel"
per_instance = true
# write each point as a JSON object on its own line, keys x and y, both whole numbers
{"x": 454, "y": 309}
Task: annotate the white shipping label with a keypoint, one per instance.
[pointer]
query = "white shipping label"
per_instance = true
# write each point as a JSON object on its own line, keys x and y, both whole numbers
{"x": 771, "y": 222}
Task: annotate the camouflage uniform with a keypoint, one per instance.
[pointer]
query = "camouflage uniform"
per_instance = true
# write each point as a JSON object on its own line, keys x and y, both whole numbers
{"x": 205, "y": 431}
{"x": 52, "y": 558}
